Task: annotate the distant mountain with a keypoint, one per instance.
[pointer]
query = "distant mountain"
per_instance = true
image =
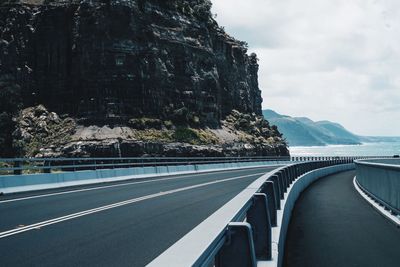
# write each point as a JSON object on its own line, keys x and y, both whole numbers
{"x": 302, "y": 131}
{"x": 379, "y": 139}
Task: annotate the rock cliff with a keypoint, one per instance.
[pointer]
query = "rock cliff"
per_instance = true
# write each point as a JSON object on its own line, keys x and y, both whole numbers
{"x": 127, "y": 77}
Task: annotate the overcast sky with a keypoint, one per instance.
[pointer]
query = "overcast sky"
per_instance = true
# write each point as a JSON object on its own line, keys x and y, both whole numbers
{"x": 335, "y": 60}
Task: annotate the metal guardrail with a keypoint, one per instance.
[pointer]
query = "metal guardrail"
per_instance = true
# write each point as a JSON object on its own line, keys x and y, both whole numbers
{"x": 380, "y": 179}
{"x": 47, "y": 165}
{"x": 319, "y": 158}
{"x": 241, "y": 234}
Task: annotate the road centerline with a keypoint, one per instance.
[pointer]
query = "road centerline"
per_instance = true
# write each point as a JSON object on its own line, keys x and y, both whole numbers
{"x": 114, "y": 205}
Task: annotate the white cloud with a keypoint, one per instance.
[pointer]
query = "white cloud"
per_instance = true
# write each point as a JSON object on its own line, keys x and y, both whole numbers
{"x": 335, "y": 60}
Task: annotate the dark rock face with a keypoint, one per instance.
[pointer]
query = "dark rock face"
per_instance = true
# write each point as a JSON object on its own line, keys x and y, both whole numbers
{"x": 110, "y": 61}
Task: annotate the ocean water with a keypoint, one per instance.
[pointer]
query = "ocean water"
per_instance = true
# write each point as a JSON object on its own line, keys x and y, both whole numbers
{"x": 367, "y": 149}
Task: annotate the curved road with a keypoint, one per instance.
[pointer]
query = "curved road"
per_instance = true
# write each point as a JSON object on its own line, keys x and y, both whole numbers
{"x": 332, "y": 225}
{"x": 121, "y": 224}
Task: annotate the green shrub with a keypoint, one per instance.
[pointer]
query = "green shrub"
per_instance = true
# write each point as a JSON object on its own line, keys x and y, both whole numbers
{"x": 145, "y": 123}
{"x": 153, "y": 135}
{"x": 194, "y": 136}
{"x": 186, "y": 135}
{"x": 168, "y": 124}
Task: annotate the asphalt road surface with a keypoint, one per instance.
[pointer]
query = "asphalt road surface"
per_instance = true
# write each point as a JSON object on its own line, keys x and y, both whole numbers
{"x": 332, "y": 225}
{"x": 122, "y": 224}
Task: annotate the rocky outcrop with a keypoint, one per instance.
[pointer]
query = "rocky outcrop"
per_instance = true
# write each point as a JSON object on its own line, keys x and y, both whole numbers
{"x": 114, "y": 63}
{"x": 40, "y": 133}
{"x": 38, "y": 129}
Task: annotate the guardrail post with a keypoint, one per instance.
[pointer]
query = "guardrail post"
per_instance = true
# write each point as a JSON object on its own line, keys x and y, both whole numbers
{"x": 308, "y": 166}
{"x": 47, "y": 166}
{"x": 291, "y": 174}
{"x": 301, "y": 169}
{"x": 259, "y": 218}
{"x": 295, "y": 172}
{"x": 286, "y": 177}
{"x": 238, "y": 250}
{"x": 305, "y": 168}
{"x": 269, "y": 190}
{"x": 17, "y": 164}
{"x": 298, "y": 170}
{"x": 281, "y": 184}
{"x": 277, "y": 195}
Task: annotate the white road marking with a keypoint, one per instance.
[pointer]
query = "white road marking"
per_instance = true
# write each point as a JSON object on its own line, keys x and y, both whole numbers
{"x": 115, "y": 205}
{"x": 109, "y": 186}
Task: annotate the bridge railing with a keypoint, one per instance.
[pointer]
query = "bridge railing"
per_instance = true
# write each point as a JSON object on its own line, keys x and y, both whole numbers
{"x": 380, "y": 179}
{"x": 47, "y": 165}
{"x": 240, "y": 233}
{"x": 319, "y": 158}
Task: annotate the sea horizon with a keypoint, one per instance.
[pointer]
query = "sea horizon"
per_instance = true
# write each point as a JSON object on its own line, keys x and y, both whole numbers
{"x": 364, "y": 149}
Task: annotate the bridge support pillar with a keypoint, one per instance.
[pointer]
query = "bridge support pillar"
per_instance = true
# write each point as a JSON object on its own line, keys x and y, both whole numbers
{"x": 238, "y": 250}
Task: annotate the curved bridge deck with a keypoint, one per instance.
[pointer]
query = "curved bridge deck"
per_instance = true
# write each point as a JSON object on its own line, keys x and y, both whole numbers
{"x": 332, "y": 225}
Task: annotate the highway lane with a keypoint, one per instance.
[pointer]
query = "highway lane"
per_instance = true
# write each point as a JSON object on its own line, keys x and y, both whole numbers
{"x": 128, "y": 235}
{"x": 332, "y": 225}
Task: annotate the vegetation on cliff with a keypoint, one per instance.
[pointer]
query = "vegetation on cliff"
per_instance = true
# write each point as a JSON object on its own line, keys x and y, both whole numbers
{"x": 40, "y": 133}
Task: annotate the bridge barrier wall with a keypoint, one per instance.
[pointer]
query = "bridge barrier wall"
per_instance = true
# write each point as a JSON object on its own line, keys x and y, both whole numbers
{"x": 221, "y": 239}
{"x": 29, "y": 182}
{"x": 380, "y": 179}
